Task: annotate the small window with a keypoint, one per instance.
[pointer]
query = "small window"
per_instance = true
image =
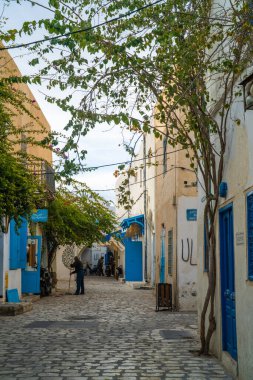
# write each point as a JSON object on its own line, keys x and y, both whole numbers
{"x": 170, "y": 252}
{"x": 250, "y": 234}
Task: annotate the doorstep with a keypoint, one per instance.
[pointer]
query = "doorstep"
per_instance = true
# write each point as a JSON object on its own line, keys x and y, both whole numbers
{"x": 12, "y": 309}
{"x": 139, "y": 285}
{"x": 31, "y": 297}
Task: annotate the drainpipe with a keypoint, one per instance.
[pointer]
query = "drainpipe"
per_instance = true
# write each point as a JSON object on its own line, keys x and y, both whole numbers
{"x": 145, "y": 210}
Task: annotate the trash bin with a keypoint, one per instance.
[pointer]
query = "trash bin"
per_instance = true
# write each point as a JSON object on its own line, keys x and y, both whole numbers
{"x": 163, "y": 296}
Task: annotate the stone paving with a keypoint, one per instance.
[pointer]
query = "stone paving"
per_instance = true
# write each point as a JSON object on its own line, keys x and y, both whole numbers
{"x": 111, "y": 332}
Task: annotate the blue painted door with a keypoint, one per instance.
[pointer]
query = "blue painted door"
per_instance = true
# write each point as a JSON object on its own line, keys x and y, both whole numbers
{"x": 31, "y": 273}
{"x": 228, "y": 281}
{"x": 133, "y": 260}
{"x": 162, "y": 257}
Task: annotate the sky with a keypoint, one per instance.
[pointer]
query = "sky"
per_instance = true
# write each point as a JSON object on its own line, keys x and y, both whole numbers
{"x": 104, "y": 144}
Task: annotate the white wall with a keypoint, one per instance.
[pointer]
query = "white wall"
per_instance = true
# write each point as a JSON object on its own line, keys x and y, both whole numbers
{"x": 14, "y": 275}
{"x": 97, "y": 252}
{"x": 62, "y": 273}
{"x": 137, "y": 194}
{"x": 187, "y": 271}
{"x": 238, "y": 173}
{"x": 94, "y": 254}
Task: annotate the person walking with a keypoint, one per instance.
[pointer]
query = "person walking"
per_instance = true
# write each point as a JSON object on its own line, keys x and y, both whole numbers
{"x": 101, "y": 266}
{"x": 78, "y": 266}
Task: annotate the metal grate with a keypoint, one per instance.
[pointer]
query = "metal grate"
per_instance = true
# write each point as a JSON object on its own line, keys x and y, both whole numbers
{"x": 81, "y": 317}
{"x": 61, "y": 325}
{"x": 175, "y": 334}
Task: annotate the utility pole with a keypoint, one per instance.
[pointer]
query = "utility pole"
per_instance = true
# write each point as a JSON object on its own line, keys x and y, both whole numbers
{"x": 145, "y": 209}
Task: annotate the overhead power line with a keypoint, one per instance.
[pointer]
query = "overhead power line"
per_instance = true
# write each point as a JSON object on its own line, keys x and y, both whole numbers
{"x": 38, "y": 172}
{"x": 148, "y": 179}
{"x": 84, "y": 29}
{"x": 130, "y": 161}
{"x": 221, "y": 19}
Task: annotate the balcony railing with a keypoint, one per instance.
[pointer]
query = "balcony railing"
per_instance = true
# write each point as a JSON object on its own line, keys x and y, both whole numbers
{"x": 44, "y": 174}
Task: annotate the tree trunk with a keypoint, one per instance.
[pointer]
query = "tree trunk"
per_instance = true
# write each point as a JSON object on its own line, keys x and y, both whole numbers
{"x": 51, "y": 255}
{"x": 205, "y": 336}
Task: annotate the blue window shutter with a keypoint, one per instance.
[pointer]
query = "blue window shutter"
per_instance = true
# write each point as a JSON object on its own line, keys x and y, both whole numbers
{"x": 23, "y": 244}
{"x": 250, "y": 235}
{"x": 14, "y": 246}
{"x": 18, "y": 242}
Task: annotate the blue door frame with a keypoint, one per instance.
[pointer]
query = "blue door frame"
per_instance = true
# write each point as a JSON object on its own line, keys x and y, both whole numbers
{"x": 31, "y": 274}
{"x": 162, "y": 257}
{"x": 133, "y": 260}
{"x": 227, "y": 269}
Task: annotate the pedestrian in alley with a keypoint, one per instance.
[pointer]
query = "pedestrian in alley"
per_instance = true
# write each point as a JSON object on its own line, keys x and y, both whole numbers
{"x": 112, "y": 265}
{"x": 101, "y": 266}
{"x": 78, "y": 266}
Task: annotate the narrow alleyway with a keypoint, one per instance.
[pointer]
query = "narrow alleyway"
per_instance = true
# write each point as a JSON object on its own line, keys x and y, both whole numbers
{"x": 112, "y": 332}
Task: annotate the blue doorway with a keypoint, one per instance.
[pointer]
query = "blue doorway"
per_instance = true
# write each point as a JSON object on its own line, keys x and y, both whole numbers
{"x": 227, "y": 267}
{"x": 133, "y": 260}
{"x": 31, "y": 273}
{"x": 162, "y": 257}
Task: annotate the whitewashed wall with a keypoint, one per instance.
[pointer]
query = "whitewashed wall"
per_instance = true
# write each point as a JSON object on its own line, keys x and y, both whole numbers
{"x": 14, "y": 276}
{"x": 187, "y": 244}
{"x": 137, "y": 194}
{"x": 238, "y": 173}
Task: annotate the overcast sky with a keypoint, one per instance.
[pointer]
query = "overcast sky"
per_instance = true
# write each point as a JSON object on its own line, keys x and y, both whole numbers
{"x": 104, "y": 145}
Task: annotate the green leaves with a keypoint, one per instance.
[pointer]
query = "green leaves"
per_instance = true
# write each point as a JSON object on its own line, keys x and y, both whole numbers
{"x": 19, "y": 192}
{"x": 79, "y": 217}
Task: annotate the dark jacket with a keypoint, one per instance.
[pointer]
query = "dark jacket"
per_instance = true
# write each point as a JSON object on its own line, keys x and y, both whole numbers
{"x": 78, "y": 265}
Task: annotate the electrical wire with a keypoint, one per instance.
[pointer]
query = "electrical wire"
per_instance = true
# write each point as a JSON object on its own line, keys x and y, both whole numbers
{"x": 82, "y": 30}
{"x": 148, "y": 179}
{"x": 115, "y": 163}
{"x": 221, "y": 19}
{"x": 130, "y": 161}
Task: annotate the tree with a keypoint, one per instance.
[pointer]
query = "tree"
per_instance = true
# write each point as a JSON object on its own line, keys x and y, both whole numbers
{"x": 182, "y": 56}
{"x": 20, "y": 192}
{"x": 80, "y": 217}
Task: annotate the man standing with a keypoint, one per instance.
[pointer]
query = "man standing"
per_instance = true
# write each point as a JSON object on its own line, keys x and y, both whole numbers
{"x": 78, "y": 265}
{"x": 101, "y": 266}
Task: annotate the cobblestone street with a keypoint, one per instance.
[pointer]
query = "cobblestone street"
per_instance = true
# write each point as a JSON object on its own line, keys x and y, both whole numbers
{"x": 111, "y": 332}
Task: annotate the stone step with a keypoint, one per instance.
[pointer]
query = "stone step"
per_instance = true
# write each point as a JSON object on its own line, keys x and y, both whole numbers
{"x": 12, "y": 309}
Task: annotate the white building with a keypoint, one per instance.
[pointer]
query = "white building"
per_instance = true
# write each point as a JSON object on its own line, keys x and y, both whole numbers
{"x": 232, "y": 341}
{"x": 137, "y": 189}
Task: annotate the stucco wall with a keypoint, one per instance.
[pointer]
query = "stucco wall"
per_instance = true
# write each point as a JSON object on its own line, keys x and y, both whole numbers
{"x": 187, "y": 255}
{"x": 14, "y": 275}
{"x": 238, "y": 173}
{"x": 38, "y": 123}
{"x": 40, "y": 128}
{"x": 174, "y": 179}
{"x": 62, "y": 273}
{"x": 137, "y": 194}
